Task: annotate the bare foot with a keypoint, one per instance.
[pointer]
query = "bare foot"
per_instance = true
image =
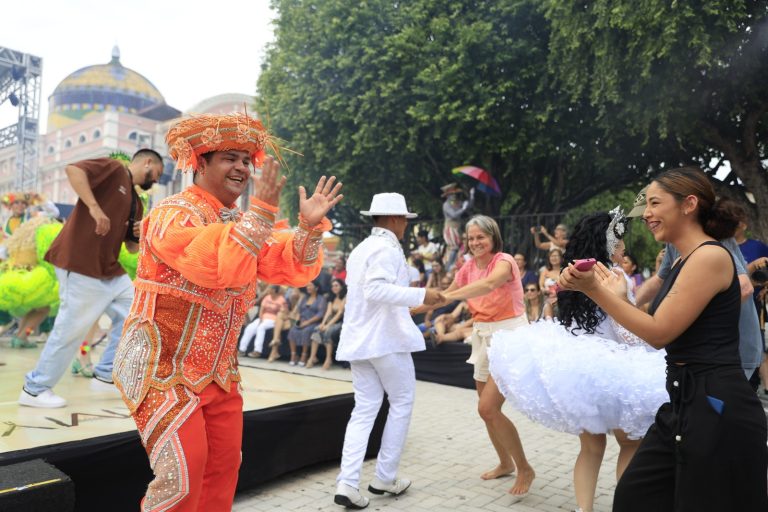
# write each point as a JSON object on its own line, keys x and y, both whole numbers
{"x": 523, "y": 482}
{"x": 326, "y": 365}
{"x": 498, "y": 472}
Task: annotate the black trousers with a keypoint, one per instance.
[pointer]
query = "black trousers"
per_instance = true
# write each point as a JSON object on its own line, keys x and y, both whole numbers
{"x": 706, "y": 451}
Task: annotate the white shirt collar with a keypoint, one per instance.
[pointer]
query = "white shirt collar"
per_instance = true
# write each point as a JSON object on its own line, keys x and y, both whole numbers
{"x": 384, "y": 232}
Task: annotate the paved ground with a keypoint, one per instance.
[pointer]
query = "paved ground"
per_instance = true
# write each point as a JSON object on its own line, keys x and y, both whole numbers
{"x": 447, "y": 450}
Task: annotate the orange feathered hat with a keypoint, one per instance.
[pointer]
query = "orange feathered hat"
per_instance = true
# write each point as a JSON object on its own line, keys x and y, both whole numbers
{"x": 197, "y": 135}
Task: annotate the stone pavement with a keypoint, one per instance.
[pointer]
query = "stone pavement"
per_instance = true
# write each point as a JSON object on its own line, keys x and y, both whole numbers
{"x": 447, "y": 450}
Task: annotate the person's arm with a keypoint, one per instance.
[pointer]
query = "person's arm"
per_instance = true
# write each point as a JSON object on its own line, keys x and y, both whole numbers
{"x": 500, "y": 274}
{"x": 544, "y": 246}
{"x": 547, "y": 312}
{"x": 756, "y": 264}
{"x": 685, "y": 301}
{"x": 82, "y": 187}
{"x": 328, "y": 310}
{"x": 741, "y": 268}
{"x": 648, "y": 290}
{"x": 338, "y": 314}
{"x": 542, "y": 280}
{"x": 379, "y": 281}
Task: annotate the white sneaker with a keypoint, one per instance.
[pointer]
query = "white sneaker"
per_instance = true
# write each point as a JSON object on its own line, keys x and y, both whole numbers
{"x": 349, "y": 497}
{"x": 102, "y": 386}
{"x": 45, "y": 400}
{"x": 396, "y": 488}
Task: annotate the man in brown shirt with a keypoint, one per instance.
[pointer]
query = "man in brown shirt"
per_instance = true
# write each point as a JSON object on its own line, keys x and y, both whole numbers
{"x": 91, "y": 281}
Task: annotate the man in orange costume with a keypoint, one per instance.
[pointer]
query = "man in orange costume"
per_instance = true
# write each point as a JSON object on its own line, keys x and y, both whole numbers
{"x": 199, "y": 261}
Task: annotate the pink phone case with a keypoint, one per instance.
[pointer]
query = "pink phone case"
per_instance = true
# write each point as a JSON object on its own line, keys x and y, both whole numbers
{"x": 584, "y": 265}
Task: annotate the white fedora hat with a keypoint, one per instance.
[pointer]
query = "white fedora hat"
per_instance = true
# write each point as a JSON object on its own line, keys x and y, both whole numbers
{"x": 389, "y": 204}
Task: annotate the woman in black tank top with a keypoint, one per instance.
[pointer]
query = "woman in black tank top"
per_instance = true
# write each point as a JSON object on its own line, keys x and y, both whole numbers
{"x": 706, "y": 451}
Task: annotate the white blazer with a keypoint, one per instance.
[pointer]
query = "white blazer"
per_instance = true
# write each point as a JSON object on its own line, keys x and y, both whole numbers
{"x": 376, "y": 318}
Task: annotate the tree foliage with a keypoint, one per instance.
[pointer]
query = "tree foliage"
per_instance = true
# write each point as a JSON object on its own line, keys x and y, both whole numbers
{"x": 390, "y": 96}
{"x": 560, "y": 100}
{"x": 690, "y": 74}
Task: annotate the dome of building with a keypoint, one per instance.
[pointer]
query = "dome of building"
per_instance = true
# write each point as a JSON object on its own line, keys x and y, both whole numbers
{"x": 99, "y": 88}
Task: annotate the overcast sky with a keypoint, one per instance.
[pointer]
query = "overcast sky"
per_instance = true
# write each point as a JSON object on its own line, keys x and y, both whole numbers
{"x": 190, "y": 50}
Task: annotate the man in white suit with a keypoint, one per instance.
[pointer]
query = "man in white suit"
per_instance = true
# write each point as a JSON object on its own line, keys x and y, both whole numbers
{"x": 377, "y": 338}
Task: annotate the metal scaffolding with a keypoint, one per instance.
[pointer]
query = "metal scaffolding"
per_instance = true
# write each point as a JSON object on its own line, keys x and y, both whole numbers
{"x": 20, "y": 84}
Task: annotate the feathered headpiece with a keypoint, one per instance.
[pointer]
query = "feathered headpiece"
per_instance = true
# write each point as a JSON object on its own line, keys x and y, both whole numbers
{"x": 192, "y": 137}
{"x": 30, "y": 198}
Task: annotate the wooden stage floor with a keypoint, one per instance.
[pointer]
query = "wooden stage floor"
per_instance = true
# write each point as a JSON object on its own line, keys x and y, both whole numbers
{"x": 92, "y": 413}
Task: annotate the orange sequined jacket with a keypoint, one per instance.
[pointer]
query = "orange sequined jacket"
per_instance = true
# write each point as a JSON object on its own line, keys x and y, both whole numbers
{"x": 196, "y": 278}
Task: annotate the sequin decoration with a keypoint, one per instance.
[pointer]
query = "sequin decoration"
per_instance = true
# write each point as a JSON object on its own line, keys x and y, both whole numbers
{"x": 171, "y": 482}
{"x": 306, "y": 244}
{"x": 254, "y": 228}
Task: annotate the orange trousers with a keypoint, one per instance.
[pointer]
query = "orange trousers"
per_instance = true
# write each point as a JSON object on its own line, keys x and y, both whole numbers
{"x": 193, "y": 442}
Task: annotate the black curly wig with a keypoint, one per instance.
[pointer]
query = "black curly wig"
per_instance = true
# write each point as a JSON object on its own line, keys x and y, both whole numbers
{"x": 577, "y": 311}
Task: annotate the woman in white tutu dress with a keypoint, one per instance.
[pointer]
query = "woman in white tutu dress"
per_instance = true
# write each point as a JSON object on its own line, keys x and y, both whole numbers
{"x": 585, "y": 375}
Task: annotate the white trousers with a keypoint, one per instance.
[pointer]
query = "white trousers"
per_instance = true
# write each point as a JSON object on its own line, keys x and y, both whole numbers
{"x": 257, "y": 328}
{"x": 394, "y": 375}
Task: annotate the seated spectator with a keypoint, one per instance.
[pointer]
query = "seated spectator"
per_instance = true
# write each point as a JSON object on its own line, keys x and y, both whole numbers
{"x": 536, "y": 306}
{"x": 311, "y": 311}
{"x": 284, "y": 321}
{"x": 437, "y": 274}
{"x": 454, "y": 326}
{"x": 323, "y": 281}
{"x": 527, "y": 276}
{"x": 551, "y": 271}
{"x": 329, "y": 330}
{"x": 340, "y": 269}
{"x": 271, "y": 304}
{"x": 557, "y": 241}
{"x": 425, "y": 251}
{"x": 629, "y": 264}
{"x": 417, "y": 276}
{"x": 427, "y": 326}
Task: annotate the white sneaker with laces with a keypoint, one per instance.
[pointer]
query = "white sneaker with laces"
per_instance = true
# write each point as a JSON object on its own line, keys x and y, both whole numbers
{"x": 45, "y": 400}
{"x": 396, "y": 488}
{"x": 349, "y": 497}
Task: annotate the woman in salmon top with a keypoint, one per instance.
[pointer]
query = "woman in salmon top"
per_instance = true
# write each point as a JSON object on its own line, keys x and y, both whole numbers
{"x": 490, "y": 283}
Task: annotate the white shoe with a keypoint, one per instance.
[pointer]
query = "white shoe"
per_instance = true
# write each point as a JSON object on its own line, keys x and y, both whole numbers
{"x": 349, "y": 497}
{"x": 396, "y": 488}
{"x": 45, "y": 400}
{"x": 102, "y": 386}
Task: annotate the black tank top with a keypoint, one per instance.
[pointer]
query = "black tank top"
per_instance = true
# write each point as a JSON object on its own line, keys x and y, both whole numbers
{"x": 713, "y": 338}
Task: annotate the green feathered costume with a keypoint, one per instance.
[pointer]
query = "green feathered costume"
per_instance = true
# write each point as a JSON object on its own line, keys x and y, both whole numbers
{"x": 25, "y": 283}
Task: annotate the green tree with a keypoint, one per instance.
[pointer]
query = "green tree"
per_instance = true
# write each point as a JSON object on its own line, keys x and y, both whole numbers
{"x": 689, "y": 75}
{"x": 389, "y": 96}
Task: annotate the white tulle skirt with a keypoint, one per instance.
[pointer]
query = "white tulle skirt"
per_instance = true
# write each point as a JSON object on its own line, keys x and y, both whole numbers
{"x": 578, "y": 383}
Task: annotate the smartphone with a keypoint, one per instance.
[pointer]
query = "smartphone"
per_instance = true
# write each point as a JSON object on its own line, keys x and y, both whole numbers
{"x": 584, "y": 265}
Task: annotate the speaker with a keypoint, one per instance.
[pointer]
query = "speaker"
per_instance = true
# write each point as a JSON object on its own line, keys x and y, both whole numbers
{"x": 35, "y": 486}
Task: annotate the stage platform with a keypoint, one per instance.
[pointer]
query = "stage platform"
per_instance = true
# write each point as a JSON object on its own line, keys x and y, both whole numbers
{"x": 290, "y": 421}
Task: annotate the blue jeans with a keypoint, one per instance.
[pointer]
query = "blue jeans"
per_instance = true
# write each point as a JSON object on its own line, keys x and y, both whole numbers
{"x": 83, "y": 300}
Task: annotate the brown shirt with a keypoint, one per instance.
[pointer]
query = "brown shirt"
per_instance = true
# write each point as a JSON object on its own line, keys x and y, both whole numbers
{"x": 78, "y": 248}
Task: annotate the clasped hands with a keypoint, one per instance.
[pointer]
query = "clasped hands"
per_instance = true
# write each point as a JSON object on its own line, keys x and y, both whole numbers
{"x": 591, "y": 280}
{"x": 268, "y": 187}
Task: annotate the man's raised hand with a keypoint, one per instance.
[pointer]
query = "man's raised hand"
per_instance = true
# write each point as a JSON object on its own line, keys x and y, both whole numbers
{"x": 267, "y": 187}
{"x": 325, "y": 197}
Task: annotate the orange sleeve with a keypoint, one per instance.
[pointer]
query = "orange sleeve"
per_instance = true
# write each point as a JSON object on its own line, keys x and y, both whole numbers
{"x": 293, "y": 258}
{"x": 227, "y": 255}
